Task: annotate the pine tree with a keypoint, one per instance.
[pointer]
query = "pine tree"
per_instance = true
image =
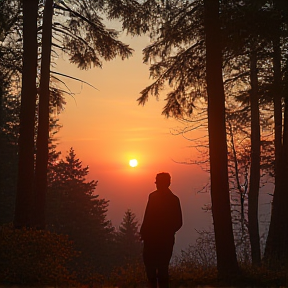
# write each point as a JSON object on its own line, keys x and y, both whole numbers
{"x": 73, "y": 209}
{"x": 128, "y": 237}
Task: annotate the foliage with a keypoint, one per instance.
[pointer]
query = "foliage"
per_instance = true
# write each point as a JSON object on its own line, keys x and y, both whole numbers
{"x": 74, "y": 210}
{"x": 132, "y": 274}
{"x": 128, "y": 238}
{"x": 83, "y": 35}
{"x": 196, "y": 265}
{"x": 177, "y": 56}
{"x": 201, "y": 254}
{"x": 191, "y": 275}
{"x": 10, "y": 50}
{"x": 8, "y": 157}
{"x": 33, "y": 257}
{"x": 263, "y": 277}
{"x": 189, "y": 270}
{"x": 10, "y": 67}
{"x": 251, "y": 32}
{"x": 79, "y": 31}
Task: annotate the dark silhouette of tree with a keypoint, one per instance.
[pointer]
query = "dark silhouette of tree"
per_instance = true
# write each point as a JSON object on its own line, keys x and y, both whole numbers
{"x": 181, "y": 37}
{"x": 253, "y": 195}
{"x": 8, "y": 157}
{"x": 265, "y": 40}
{"x": 225, "y": 248}
{"x": 250, "y": 49}
{"x": 85, "y": 48}
{"x": 276, "y": 252}
{"x": 25, "y": 178}
{"x": 128, "y": 238}
{"x": 246, "y": 49}
{"x": 41, "y": 167}
{"x": 75, "y": 210}
{"x": 177, "y": 56}
{"x": 177, "y": 59}
{"x": 238, "y": 167}
{"x": 9, "y": 50}
{"x": 81, "y": 34}
{"x": 10, "y": 67}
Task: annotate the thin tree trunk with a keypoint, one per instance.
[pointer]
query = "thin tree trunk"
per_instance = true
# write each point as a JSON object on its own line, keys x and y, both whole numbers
{"x": 241, "y": 194}
{"x": 27, "y": 116}
{"x": 285, "y": 156}
{"x": 1, "y": 100}
{"x": 253, "y": 196}
{"x": 43, "y": 122}
{"x": 276, "y": 243}
{"x": 221, "y": 211}
{"x": 285, "y": 183}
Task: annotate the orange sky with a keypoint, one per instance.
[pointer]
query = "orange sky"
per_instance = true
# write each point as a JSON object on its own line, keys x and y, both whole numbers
{"x": 107, "y": 128}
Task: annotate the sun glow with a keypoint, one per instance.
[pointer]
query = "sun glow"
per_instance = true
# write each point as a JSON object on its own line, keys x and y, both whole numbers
{"x": 133, "y": 162}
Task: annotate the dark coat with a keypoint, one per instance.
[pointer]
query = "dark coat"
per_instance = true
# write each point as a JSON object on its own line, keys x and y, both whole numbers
{"x": 162, "y": 218}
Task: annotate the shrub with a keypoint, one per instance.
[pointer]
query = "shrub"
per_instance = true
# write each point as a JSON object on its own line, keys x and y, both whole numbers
{"x": 190, "y": 276}
{"x": 130, "y": 275}
{"x": 263, "y": 277}
{"x": 30, "y": 256}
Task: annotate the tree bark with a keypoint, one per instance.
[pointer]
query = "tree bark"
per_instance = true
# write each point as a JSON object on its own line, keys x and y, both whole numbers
{"x": 253, "y": 196}
{"x": 276, "y": 244}
{"x": 25, "y": 180}
{"x": 221, "y": 211}
{"x": 43, "y": 122}
{"x": 1, "y": 100}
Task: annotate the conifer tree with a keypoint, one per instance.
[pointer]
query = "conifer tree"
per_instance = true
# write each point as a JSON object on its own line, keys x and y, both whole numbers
{"x": 75, "y": 210}
{"x": 128, "y": 237}
{"x": 79, "y": 31}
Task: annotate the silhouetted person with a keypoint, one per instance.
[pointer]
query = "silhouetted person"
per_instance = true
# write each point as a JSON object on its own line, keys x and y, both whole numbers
{"x": 162, "y": 218}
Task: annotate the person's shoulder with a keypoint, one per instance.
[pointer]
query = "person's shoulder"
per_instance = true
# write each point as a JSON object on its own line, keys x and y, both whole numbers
{"x": 173, "y": 195}
{"x": 152, "y": 194}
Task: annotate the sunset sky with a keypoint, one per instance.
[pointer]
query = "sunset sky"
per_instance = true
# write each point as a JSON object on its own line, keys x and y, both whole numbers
{"x": 107, "y": 128}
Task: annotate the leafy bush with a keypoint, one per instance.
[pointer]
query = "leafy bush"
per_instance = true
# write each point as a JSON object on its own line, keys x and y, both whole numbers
{"x": 30, "y": 256}
{"x": 264, "y": 277}
{"x": 130, "y": 275}
{"x": 190, "y": 276}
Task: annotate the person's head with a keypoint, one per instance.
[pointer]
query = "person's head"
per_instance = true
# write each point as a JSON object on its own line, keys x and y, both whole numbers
{"x": 163, "y": 180}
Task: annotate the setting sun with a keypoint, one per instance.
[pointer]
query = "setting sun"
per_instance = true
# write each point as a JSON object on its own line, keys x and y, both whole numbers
{"x": 133, "y": 162}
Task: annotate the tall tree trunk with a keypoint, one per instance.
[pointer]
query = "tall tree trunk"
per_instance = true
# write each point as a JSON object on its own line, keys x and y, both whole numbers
{"x": 27, "y": 116}
{"x": 283, "y": 5}
{"x": 276, "y": 242}
{"x": 43, "y": 122}
{"x": 221, "y": 211}
{"x": 1, "y": 100}
{"x": 253, "y": 196}
{"x": 285, "y": 184}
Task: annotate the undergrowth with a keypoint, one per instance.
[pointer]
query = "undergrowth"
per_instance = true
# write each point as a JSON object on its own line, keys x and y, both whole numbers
{"x": 37, "y": 257}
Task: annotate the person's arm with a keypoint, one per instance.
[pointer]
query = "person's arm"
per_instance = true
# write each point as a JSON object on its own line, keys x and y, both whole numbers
{"x": 145, "y": 223}
{"x": 178, "y": 216}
